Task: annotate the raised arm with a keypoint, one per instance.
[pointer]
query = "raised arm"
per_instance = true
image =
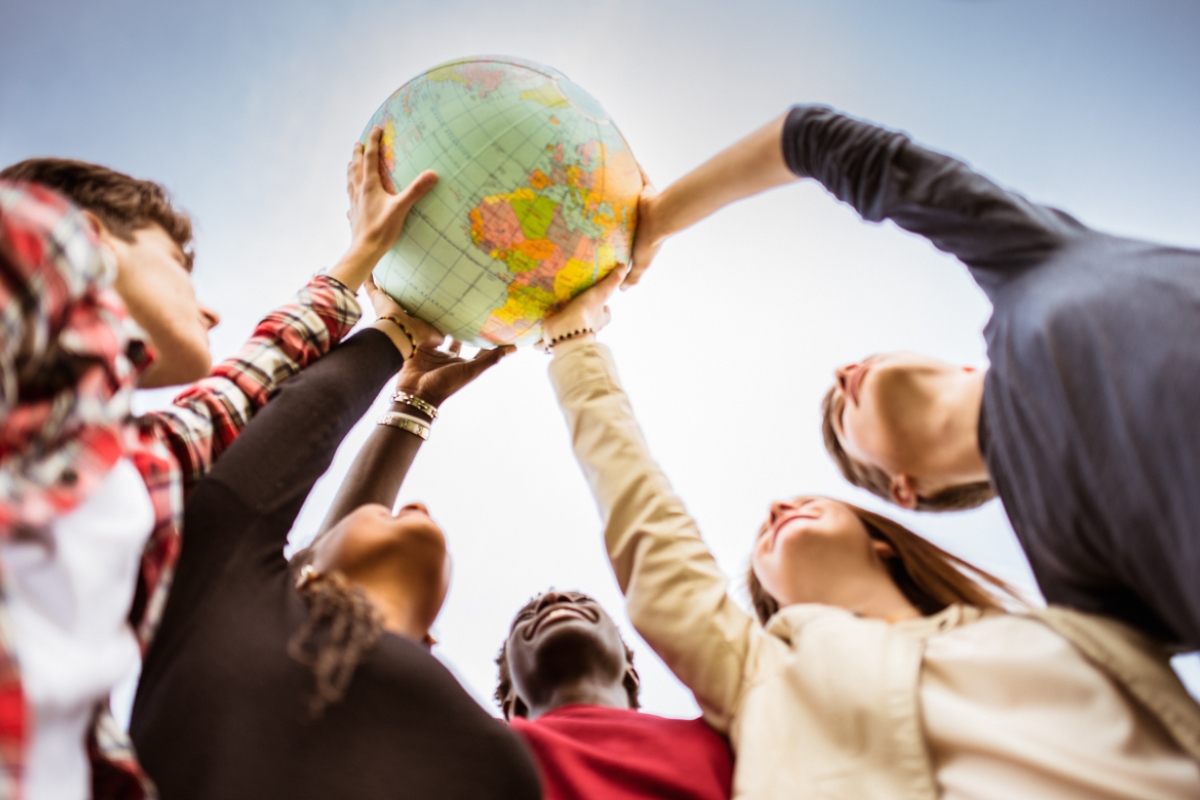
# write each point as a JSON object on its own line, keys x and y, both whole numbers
{"x": 884, "y": 175}
{"x": 881, "y": 173}
{"x": 675, "y": 593}
{"x": 745, "y": 168}
{"x": 208, "y": 416}
{"x": 426, "y": 380}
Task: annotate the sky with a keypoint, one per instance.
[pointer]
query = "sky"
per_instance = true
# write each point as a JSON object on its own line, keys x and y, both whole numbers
{"x": 247, "y": 111}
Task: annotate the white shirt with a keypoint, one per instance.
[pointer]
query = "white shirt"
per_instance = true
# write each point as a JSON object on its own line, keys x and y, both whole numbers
{"x": 68, "y": 598}
{"x": 1012, "y": 709}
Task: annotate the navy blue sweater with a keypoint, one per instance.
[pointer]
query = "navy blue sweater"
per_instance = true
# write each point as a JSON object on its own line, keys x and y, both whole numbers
{"x": 1089, "y": 424}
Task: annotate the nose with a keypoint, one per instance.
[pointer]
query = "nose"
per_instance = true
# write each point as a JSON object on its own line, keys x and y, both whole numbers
{"x": 841, "y": 376}
{"x": 415, "y": 507}
{"x": 550, "y": 599}
{"x": 781, "y": 507}
{"x": 209, "y": 318}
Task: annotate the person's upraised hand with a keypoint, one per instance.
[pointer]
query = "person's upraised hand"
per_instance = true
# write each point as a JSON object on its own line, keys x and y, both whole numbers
{"x": 433, "y": 375}
{"x": 648, "y": 238}
{"x": 377, "y": 213}
{"x": 586, "y": 313}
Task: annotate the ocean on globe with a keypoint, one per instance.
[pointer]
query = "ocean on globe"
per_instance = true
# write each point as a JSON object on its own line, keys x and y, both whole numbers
{"x": 536, "y": 196}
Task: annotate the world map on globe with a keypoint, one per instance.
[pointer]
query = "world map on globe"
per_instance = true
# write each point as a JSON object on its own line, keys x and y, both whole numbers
{"x": 536, "y": 196}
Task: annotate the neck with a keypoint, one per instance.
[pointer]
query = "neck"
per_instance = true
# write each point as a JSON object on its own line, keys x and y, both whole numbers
{"x": 956, "y": 458}
{"x": 874, "y": 597}
{"x": 397, "y": 610}
{"x": 585, "y": 691}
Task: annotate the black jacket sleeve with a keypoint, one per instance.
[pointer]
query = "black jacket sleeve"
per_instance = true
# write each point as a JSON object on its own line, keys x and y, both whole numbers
{"x": 884, "y": 175}
{"x": 244, "y": 508}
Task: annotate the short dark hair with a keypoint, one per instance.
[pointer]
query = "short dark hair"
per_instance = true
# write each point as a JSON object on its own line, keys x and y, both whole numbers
{"x": 506, "y": 695}
{"x": 927, "y": 576}
{"x": 122, "y": 203}
{"x": 877, "y": 482}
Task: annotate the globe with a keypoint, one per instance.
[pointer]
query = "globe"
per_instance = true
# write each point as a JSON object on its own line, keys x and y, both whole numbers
{"x": 536, "y": 196}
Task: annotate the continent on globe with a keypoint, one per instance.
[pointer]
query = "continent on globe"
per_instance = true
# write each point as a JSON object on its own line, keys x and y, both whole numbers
{"x": 536, "y": 198}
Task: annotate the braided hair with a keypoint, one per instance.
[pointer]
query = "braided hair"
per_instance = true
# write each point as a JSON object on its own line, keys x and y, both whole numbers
{"x": 342, "y": 625}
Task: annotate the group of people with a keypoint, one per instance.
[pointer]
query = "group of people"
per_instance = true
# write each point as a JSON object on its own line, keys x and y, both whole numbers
{"x": 874, "y": 664}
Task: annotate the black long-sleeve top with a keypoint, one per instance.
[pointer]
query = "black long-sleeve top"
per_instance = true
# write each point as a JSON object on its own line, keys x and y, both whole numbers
{"x": 1089, "y": 423}
{"x": 221, "y": 709}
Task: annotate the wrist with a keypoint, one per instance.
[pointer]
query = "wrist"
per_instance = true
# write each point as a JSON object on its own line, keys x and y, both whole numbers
{"x": 399, "y": 336}
{"x": 356, "y": 264}
{"x": 564, "y": 346}
{"x": 660, "y": 219}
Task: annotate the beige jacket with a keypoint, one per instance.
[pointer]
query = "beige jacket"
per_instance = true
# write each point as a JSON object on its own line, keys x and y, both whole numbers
{"x": 822, "y": 703}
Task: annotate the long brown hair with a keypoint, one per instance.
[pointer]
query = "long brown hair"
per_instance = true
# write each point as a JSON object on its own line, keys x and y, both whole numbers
{"x": 877, "y": 482}
{"x": 342, "y": 625}
{"x": 928, "y": 577}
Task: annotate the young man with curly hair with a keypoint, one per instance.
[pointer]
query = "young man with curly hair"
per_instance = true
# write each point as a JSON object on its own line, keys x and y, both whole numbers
{"x": 567, "y": 685}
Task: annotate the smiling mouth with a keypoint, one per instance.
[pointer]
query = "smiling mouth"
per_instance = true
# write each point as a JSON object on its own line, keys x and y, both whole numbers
{"x": 556, "y": 613}
{"x": 778, "y": 526}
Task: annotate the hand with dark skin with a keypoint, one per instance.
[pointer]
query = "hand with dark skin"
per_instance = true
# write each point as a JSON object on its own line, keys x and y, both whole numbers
{"x": 432, "y": 375}
{"x": 564, "y": 649}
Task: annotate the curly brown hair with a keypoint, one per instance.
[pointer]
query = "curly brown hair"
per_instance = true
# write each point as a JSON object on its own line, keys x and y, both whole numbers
{"x": 122, "y": 203}
{"x": 877, "y": 482}
{"x": 342, "y": 625}
{"x": 928, "y": 577}
{"x": 512, "y": 705}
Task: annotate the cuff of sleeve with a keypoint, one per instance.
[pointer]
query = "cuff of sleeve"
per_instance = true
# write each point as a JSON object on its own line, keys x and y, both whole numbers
{"x": 794, "y": 151}
{"x": 333, "y": 301}
{"x": 581, "y": 367}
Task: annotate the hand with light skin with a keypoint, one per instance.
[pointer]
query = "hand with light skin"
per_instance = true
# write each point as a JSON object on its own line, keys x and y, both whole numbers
{"x": 425, "y": 335}
{"x": 745, "y": 168}
{"x": 587, "y": 312}
{"x": 377, "y": 214}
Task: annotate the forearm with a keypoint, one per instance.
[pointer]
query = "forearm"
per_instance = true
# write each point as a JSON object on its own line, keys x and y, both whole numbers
{"x": 293, "y": 440}
{"x": 746, "y": 168}
{"x": 675, "y": 592}
{"x": 882, "y": 174}
{"x": 379, "y": 469}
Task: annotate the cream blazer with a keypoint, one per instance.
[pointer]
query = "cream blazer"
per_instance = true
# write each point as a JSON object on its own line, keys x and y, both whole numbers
{"x": 821, "y": 703}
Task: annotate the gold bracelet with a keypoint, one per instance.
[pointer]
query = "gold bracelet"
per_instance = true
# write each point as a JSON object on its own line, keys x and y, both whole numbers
{"x": 404, "y": 422}
{"x": 416, "y": 402}
{"x": 396, "y": 321}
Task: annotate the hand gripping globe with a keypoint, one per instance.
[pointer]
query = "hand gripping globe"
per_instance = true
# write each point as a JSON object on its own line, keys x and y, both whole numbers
{"x": 536, "y": 197}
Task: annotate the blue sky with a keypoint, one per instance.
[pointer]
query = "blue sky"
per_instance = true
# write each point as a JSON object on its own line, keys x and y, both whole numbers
{"x": 247, "y": 111}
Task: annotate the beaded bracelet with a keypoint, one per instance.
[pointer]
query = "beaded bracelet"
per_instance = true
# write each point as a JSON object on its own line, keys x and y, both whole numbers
{"x": 405, "y": 422}
{"x": 396, "y": 321}
{"x": 562, "y": 337}
{"x": 417, "y": 403}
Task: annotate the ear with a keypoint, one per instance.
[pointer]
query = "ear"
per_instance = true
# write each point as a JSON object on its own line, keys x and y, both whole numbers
{"x": 883, "y": 549}
{"x": 632, "y": 682}
{"x": 903, "y": 491}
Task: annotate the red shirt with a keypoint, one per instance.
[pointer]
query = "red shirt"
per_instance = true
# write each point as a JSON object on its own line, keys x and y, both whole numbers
{"x": 588, "y": 752}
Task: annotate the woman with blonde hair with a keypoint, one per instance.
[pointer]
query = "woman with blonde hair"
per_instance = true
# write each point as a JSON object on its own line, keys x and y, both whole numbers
{"x": 879, "y": 666}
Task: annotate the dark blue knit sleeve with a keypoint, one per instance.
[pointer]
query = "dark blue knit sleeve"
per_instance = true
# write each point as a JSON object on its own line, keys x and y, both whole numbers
{"x": 884, "y": 175}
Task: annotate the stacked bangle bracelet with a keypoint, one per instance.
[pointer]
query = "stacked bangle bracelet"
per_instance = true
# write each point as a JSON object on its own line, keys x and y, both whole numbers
{"x": 396, "y": 321}
{"x": 405, "y": 422}
{"x": 418, "y": 426}
{"x": 417, "y": 403}
{"x": 562, "y": 337}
